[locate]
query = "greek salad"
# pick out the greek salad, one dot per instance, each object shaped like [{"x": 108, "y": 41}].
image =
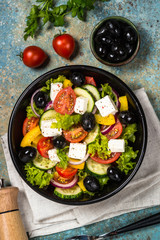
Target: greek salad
[{"x": 77, "y": 137}]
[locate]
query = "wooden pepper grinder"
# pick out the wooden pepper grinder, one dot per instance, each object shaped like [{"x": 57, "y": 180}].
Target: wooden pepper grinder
[{"x": 11, "y": 226}]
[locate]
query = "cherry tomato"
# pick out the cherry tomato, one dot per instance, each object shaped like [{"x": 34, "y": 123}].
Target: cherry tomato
[
  {"x": 33, "y": 56},
  {"x": 113, "y": 158},
  {"x": 65, "y": 101},
  {"x": 115, "y": 132},
  {"x": 66, "y": 173},
  {"x": 64, "y": 45},
  {"x": 75, "y": 135},
  {"x": 61, "y": 179},
  {"x": 45, "y": 144},
  {"x": 28, "y": 124},
  {"x": 90, "y": 80}
]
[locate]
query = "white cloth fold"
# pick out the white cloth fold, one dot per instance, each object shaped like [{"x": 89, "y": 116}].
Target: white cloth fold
[{"x": 42, "y": 216}]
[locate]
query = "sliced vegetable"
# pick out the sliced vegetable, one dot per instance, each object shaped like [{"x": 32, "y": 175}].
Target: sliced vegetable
[
  {"x": 81, "y": 185},
  {"x": 76, "y": 163},
  {"x": 93, "y": 90},
  {"x": 115, "y": 132},
  {"x": 111, "y": 159},
  {"x": 92, "y": 135},
  {"x": 90, "y": 80},
  {"x": 45, "y": 144},
  {"x": 67, "y": 172},
  {"x": 48, "y": 115},
  {"x": 67, "y": 83},
  {"x": 108, "y": 120},
  {"x": 43, "y": 163},
  {"x": 84, "y": 93},
  {"x": 75, "y": 135},
  {"x": 30, "y": 136},
  {"x": 71, "y": 193},
  {"x": 29, "y": 124},
  {"x": 124, "y": 103},
  {"x": 96, "y": 168},
  {"x": 65, "y": 185},
  {"x": 65, "y": 101},
  {"x": 49, "y": 106}
]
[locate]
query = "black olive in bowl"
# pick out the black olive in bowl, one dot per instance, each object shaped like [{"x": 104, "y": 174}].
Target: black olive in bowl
[
  {"x": 115, "y": 41},
  {"x": 19, "y": 114}
]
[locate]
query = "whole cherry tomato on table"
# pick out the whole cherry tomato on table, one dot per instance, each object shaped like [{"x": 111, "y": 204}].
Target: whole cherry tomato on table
[
  {"x": 33, "y": 56},
  {"x": 64, "y": 45}
]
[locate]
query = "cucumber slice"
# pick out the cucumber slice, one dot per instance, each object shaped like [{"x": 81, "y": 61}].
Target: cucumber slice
[
  {"x": 43, "y": 163},
  {"x": 96, "y": 169},
  {"x": 93, "y": 90},
  {"x": 49, "y": 114},
  {"x": 70, "y": 193},
  {"x": 80, "y": 92},
  {"x": 92, "y": 135}
]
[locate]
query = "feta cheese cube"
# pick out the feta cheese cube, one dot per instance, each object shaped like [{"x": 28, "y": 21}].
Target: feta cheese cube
[
  {"x": 116, "y": 145},
  {"x": 46, "y": 129},
  {"x": 106, "y": 106},
  {"x": 52, "y": 153},
  {"x": 77, "y": 150},
  {"x": 81, "y": 105},
  {"x": 55, "y": 88}
]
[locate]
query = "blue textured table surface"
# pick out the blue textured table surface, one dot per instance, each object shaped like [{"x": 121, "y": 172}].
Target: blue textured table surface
[{"x": 142, "y": 72}]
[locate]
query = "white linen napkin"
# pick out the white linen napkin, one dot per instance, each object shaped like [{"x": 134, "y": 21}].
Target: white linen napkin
[{"x": 42, "y": 216}]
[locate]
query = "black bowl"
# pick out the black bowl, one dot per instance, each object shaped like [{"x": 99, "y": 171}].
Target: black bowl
[{"x": 19, "y": 114}]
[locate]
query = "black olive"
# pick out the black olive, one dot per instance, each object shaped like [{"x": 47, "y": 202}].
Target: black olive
[
  {"x": 114, "y": 174},
  {"x": 112, "y": 57},
  {"x": 88, "y": 121},
  {"x": 78, "y": 79},
  {"x": 27, "y": 154},
  {"x": 102, "y": 31},
  {"x": 101, "y": 50},
  {"x": 107, "y": 40},
  {"x": 113, "y": 27},
  {"x": 41, "y": 99},
  {"x": 127, "y": 117},
  {"x": 130, "y": 35},
  {"x": 119, "y": 52},
  {"x": 130, "y": 48},
  {"x": 59, "y": 142},
  {"x": 91, "y": 184}
]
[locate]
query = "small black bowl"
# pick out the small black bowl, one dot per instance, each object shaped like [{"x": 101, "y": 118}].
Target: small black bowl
[
  {"x": 19, "y": 114},
  {"x": 123, "y": 24}
]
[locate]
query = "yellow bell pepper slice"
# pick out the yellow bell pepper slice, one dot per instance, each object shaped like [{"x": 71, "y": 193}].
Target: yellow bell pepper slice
[
  {"x": 67, "y": 83},
  {"x": 81, "y": 185},
  {"x": 79, "y": 166},
  {"x": 36, "y": 140},
  {"x": 30, "y": 136},
  {"x": 124, "y": 103},
  {"x": 108, "y": 120}
]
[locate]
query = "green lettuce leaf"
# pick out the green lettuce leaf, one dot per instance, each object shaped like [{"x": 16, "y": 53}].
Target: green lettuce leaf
[
  {"x": 46, "y": 88},
  {"x": 36, "y": 176},
  {"x": 99, "y": 146},
  {"x": 63, "y": 157},
  {"x": 66, "y": 121},
  {"x": 125, "y": 161},
  {"x": 129, "y": 131},
  {"x": 30, "y": 112},
  {"x": 107, "y": 90}
]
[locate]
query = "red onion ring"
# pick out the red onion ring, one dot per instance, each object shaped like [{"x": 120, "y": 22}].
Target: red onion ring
[
  {"x": 118, "y": 104},
  {"x": 94, "y": 110},
  {"x": 32, "y": 102},
  {"x": 81, "y": 161},
  {"x": 49, "y": 106},
  {"x": 67, "y": 185}
]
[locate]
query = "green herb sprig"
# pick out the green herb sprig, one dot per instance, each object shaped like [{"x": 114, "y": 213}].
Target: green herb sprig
[{"x": 46, "y": 11}]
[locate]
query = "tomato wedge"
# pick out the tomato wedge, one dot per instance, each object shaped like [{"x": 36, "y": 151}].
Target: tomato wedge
[
  {"x": 113, "y": 158},
  {"x": 29, "y": 124},
  {"x": 66, "y": 173},
  {"x": 115, "y": 132},
  {"x": 65, "y": 101},
  {"x": 90, "y": 80},
  {"x": 75, "y": 135},
  {"x": 61, "y": 179},
  {"x": 45, "y": 144}
]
